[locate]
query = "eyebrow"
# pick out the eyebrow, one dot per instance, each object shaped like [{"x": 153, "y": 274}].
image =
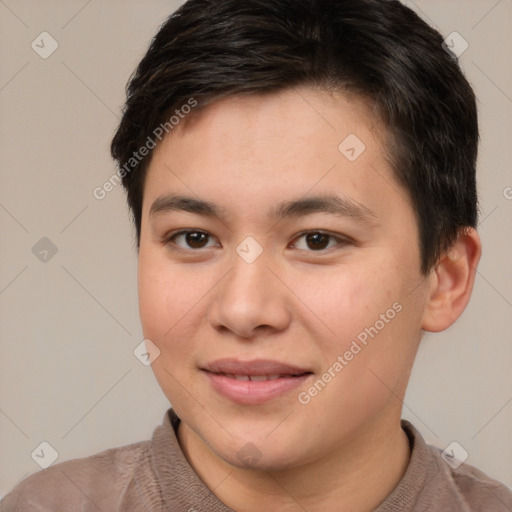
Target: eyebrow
[{"x": 329, "y": 203}]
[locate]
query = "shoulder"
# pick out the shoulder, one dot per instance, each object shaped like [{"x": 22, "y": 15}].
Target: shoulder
[
  {"x": 98, "y": 481},
  {"x": 470, "y": 485},
  {"x": 436, "y": 480}
]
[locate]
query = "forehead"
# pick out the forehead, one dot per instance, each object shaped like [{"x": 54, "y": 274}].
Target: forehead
[
  {"x": 293, "y": 114},
  {"x": 256, "y": 149}
]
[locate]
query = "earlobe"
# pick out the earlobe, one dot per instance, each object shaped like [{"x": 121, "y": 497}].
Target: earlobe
[{"x": 452, "y": 282}]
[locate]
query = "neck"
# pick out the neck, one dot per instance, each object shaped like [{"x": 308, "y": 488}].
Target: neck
[{"x": 355, "y": 477}]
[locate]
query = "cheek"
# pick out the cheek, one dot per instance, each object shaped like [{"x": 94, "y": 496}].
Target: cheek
[
  {"x": 152, "y": 291},
  {"x": 163, "y": 297},
  {"x": 171, "y": 299},
  {"x": 345, "y": 302},
  {"x": 163, "y": 305},
  {"x": 371, "y": 321}
]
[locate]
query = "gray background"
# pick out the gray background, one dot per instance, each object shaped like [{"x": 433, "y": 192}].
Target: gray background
[{"x": 69, "y": 324}]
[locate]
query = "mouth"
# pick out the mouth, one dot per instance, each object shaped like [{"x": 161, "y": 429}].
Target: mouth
[
  {"x": 258, "y": 378},
  {"x": 253, "y": 382}
]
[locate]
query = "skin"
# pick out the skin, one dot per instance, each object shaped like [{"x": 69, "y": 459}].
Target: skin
[{"x": 345, "y": 449}]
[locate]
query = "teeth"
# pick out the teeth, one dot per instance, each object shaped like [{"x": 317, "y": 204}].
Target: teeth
[
  {"x": 255, "y": 378},
  {"x": 258, "y": 377}
]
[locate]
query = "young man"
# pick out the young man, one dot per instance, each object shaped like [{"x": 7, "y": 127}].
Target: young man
[{"x": 302, "y": 179}]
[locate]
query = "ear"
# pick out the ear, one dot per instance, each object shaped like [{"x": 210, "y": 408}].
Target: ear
[{"x": 451, "y": 282}]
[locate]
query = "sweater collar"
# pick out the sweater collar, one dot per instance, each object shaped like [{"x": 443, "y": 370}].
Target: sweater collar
[
  {"x": 182, "y": 489},
  {"x": 180, "y": 485}
]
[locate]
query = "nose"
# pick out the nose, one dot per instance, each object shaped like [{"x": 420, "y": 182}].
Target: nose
[{"x": 250, "y": 299}]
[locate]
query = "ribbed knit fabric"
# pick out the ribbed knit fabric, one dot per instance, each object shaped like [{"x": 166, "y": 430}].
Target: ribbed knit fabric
[{"x": 155, "y": 476}]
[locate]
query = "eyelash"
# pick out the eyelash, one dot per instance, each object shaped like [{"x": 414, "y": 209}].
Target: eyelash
[{"x": 341, "y": 241}]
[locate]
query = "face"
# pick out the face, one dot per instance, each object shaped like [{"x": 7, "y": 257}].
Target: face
[{"x": 279, "y": 276}]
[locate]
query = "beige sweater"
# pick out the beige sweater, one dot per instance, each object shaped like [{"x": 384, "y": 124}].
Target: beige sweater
[{"x": 155, "y": 476}]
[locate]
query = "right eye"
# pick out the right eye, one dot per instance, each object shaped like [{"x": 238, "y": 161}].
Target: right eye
[{"x": 193, "y": 239}]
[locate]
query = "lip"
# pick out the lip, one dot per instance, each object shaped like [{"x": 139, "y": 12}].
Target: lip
[
  {"x": 253, "y": 367},
  {"x": 222, "y": 374}
]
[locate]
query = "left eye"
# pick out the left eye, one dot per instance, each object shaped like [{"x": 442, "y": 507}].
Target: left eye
[{"x": 318, "y": 241}]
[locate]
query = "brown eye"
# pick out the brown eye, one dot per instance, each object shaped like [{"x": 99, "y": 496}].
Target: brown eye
[
  {"x": 196, "y": 239},
  {"x": 190, "y": 239},
  {"x": 317, "y": 241}
]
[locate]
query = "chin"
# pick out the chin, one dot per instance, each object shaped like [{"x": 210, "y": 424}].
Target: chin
[
  {"x": 249, "y": 457},
  {"x": 259, "y": 453}
]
